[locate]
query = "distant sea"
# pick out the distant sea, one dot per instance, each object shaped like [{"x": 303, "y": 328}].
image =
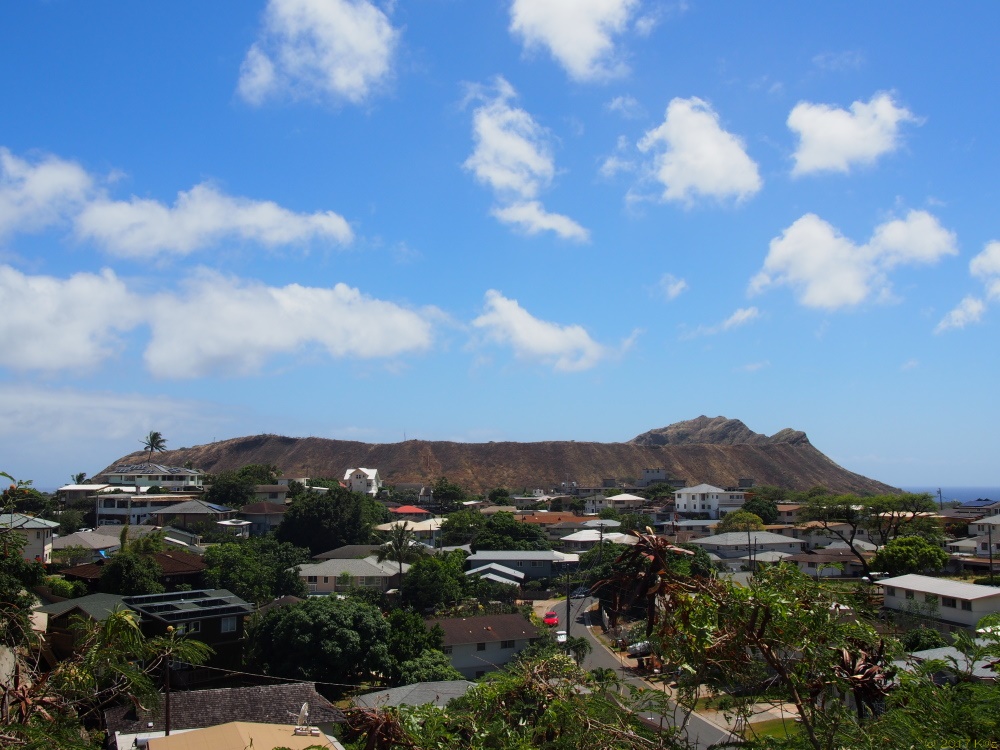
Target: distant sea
[{"x": 962, "y": 494}]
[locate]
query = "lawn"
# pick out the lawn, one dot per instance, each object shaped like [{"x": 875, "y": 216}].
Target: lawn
[{"x": 777, "y": 728}]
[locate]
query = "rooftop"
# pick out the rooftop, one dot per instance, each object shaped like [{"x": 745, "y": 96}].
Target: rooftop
[
  {"x": 485, "y": 629},
  {"x": 941, "y": 587}
]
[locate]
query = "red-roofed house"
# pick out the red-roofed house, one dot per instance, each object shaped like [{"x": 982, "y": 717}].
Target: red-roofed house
[{"x": 410, "y": 513}]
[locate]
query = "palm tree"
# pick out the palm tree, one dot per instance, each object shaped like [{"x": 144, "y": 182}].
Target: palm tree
[
  {"x": 401, "y": 546},
  {"x": 79, "y": 477},
  {"x": 153, "y": 442}
]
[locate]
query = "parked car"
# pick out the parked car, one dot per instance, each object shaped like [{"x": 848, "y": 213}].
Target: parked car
[
  {"x": 551, "y": 619},
  {"x": 560, "y": 636},
  {"x": 581, "y": 592}
]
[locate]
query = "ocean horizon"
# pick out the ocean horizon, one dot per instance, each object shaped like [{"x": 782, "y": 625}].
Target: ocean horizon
[{"x": 962, "y": 494}]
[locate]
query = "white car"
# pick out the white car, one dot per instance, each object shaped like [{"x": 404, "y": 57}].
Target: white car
[{"x": 560, "y": 636}]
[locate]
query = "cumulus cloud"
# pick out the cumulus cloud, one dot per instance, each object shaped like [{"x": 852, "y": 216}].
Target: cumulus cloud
[
  {"x": 564, "y": 348},
  {"x": 228, "y": 326},
  {"x": 694, "y": 157},
  {"x": 969, "y": 310},
  {"x": 986, "y": 268},
  {"x": 579, "y": 34},
  {"x": 37, "y": 194},
  {"x": 827, "y": 270},
  {"x": 328, "y": 50},
  {"x": 834, "y": 140},
  {"x": 626, "y": 106},
  {"x": 215, "y": 325},
  {"x": 512, "y": 156},
  {"x": 142, "y": 228},
  {"x": 52, "y": 324},
  {"x": 739, "y": 318},
  {"x": 532, "y": 218},
  {"x": 671, "y": 287}
]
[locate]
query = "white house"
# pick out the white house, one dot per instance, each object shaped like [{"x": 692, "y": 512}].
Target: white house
[
  {"x": 37, "y": 533},
  {"x": 733, "y": 545},
  {"x": 477, "y": 645},
  {"x": 365, "y": 481},
  {"x": 985, "y": 526},
  {"x": 952, "y": 603},
  {"x": 704, "y": 498},
  {"x": 173, "y": 478},
  {"x": 334, "y": 575},
  {"x": 623, "y": 503}
]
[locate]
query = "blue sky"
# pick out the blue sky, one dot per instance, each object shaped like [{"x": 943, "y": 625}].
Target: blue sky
[{"x": 499, "y": 220}]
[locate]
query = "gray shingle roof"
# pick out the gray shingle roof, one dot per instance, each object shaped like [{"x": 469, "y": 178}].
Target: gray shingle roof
[
  {"x": 438, "y": 693},
  {"x": 194, "y": 709},
  {"x": 739, "y": 539},
  {"x": 96, "y": 606}
]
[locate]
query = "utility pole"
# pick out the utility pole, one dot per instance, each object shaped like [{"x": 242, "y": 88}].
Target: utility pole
[
  {"x": 989, "y": 532},
  {"x": 569, "y": 607}
]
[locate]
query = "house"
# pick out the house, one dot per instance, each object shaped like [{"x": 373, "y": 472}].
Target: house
[
  {"x": 84, "y": 547},
  {"x": 70, "y": 492},
  {"x": 788, "y": 512},
  {"x": 271, "y": 493},
  {"x": 263, "y": 516},
  {"x": 330, "y": 576},
  {"x": 365, "y": 481},
  {"x": 733, "y": 545},
  {"x": 421, "y": 694},
  {"x": 534, "y": 564},
  {"x": 498, "y": 574},
  {"x": 172, "y": 478},
  {"x": 37, "y": 534},
  {"x": 623, "y": 503},
  {"x": 60, "y": 634},
  {"x": 715, "y": 502},
  {"x": 586, "y": 539},
  {"x": 191, "y": 513},
  {"x": 410, "y": 513},
  {"x": 830, "y": 562},
  {"x": 177, "y": 568},
  {"x": 424, "y": 532},
  {"x": 213, "y": 616},
  {"x": 240, "y": 735},
  {"x": 954, "y": 661},
  {"x": 478, "y": 645},
  {"x": 134, "y": 508},
  {"x": 196, "y": 709},
  {"x": 985, "y": 526},
  {"x": 952, "y": 604}
]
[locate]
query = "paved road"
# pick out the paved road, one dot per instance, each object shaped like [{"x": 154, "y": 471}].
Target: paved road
[{"x": 701, "y": 732}]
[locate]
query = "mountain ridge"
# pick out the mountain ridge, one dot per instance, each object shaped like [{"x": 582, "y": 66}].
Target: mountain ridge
[{"x": 716, "y": 451}]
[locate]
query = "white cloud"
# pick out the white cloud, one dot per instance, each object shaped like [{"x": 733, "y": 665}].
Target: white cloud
[
  {"x": 35, "y": 195},
  {"x": 216, "y": 325},
  {"x": 755, "y": 366},
  {"x": 52, "y": 324},
  {"x": 833, "y": 139},
  {"x": 233, "y": 327},
  {"x": 839, "y": 61},
  {"x": 565, "y": 348},
  {"x": 969, "y": 310},
  {"x": 910, "y": 364},
  {"x": 986, "y": 268},
  {"x": 511, "y": 153},
  {"x": 626, "y": 106},
  {"x": 579, "y": 34},
  {"x": 512, "y": 156},
  {"x": 699, "y": 158},
  {"x": 614, "y": 165},
  {"x": 532, "y": 218},
  {"x": 320, "y": 50},
  {"x": 201, "y": 216},
  {"x": 740, "y": 318},
  {"x": 671, "y": 287},
  {"x": 829, "y": 271}
]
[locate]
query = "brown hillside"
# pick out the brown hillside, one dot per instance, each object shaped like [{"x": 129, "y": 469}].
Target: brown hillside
[{"x": 716, "y": 451}]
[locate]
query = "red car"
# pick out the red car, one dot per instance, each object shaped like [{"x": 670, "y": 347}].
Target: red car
[{"x": 551, "y": 619}]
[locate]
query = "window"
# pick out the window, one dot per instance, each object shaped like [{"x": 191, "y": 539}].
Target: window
[
  {"x": 812, "y": 565},
  {"x": 506, "y": 644},
  {"x": 520, "y": 563},
  {"x": 188, "y": 627},
  {"x": 310, "y": 579},
  {"x": 480, "y": 647},
  {"x": 228, "y": 625},
  {"x": 890, "y": 590},
  {"x": 967, "y": 606},
  {"x": 447, "y": 649},
  {"x": 909, "y": 594},
  {"x": 947, "y": 601},
  {"x": 536, "y": 564},
  {"x": 325, "y": 579}
]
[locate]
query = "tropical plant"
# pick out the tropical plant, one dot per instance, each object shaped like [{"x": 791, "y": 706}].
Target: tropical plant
[
  {"x": 401, "y": 546},
  {"x": 154, "y": 442}
]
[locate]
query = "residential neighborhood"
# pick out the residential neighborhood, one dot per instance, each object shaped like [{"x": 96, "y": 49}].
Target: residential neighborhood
[{"x": 454, "y": 588}]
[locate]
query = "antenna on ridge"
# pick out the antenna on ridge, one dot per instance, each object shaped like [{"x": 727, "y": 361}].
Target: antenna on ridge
[{"x": 303, "y": 720}]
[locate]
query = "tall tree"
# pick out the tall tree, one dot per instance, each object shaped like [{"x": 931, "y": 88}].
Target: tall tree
[
  {"x": 401, "y": 546},
  {"x": 79, "y": 477},
  {"x": 504, "y": 532},
  {"x": 910, "y": 554},
  {"x": 154, "y": 442},
  {"x": 323, "y": 521},
  {"x": 740, "y": 520},
  {"x": 258, "y": 569}
]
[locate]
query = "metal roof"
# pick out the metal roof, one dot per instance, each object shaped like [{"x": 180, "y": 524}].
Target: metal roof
[{"x": 941, "y": 587}]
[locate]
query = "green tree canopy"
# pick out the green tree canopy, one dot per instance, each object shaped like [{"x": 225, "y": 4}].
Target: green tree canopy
[
  {"x": 231, "y": 489},
  {"x": 322, "y": 521},
  {"x": 766, "y": 510},
  {"x": 427, "y": 666},
  {"x": 739, "y": 520},
  {"x": 258, "y": 569},
  {"x": 324, "y": 639},
  {"x": 433, "y": 582},
  {"x": 502, "y": 531},
  {"x": 910, "y": 554},
  {"x": 448, "y": 495},
  {"x": 460, "y": 527},
  {"x": 154, "y": 442}
]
